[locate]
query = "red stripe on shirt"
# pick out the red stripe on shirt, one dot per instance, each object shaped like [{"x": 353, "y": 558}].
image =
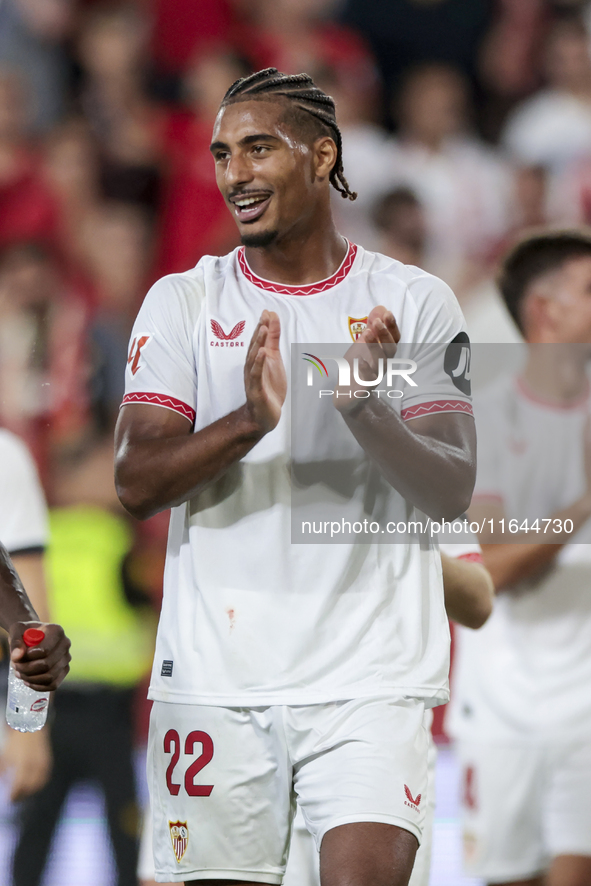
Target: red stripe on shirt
[
  {"x": 436, "y": 406},
  {"x": 161, "y": 400}
]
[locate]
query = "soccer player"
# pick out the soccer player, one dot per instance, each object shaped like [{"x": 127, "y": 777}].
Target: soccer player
[
  {"x": 469, "y": 594},
  {"x": 22, "y": 532},
  {"x": 521, "y": 699},
  {"x": 280, "y": 669}
]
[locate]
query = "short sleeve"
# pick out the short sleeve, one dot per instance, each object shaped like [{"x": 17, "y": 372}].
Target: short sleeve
[
  {"x": 23, "y": 511},
  {"x": 161, "y": 363},
  {"x": 440, "y": 350}
]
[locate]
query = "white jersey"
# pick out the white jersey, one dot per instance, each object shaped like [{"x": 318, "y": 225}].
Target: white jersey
[
  {"x": 23, "y": 512},
  {"x": 527, "y": 672},
  {"x": 247, "y": 617}
]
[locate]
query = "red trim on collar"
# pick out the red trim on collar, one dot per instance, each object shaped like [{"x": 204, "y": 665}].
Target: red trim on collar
[
  {"x": 309, "y": 289},
  {"x": 528, "y": 394}
]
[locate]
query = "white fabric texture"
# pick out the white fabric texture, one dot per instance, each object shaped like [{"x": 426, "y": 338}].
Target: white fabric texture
[
  {"x": 23, "y": 512},
  {"x": 247, "y": 617},
  {"x": 351, "y": 761},
  {"x": 526, "y": 675}
]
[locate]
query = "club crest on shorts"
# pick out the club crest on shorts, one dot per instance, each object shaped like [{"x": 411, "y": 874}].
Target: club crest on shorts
[
  {"x": 179, "y": 835},
  {"x": 356, "y": 327}
]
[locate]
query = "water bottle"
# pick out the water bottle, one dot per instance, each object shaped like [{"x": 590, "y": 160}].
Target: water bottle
[{"x": 26, "y": 709}]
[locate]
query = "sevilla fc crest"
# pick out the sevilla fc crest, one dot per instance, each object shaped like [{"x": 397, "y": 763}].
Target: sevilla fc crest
[
  {"x": 356, "y": 327},
  {"x": 179, "y": 834}
]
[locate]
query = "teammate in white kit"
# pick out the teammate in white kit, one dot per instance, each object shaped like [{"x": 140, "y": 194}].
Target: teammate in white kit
[
  {"x": 521, "y": 699},
  {"x": 469, "y": 596},
  {"x": 289, "y": 671},
  {"x": 23, "y": 531}
]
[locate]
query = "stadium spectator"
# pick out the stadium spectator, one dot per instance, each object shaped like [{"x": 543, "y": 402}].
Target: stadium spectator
[
  {"x": 71, "y": 168},
  {"x": 111, "y": 49},
  {"x": 43, "y": 354},
  {"x": 463, "y": 184},
  {"x": 193, "y": 219},
  {"x": 509, "y": 64},
  {"x": 296, "y": 37},
  {"x": 404, "y": 33},
  {"x": 180, "y": 30},
  {"x": 400, "y": 218},
  {"x": 32, "y": 33},
  {"x": 553, "y": 127},
  {"x": 28, "y": 209},
  {"x": 116, "y": 240},
  {"x": 359, "y": 104}
]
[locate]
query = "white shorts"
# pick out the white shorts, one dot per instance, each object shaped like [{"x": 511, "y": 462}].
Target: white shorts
[
  {"x": 522, "y": 806},
  {"x": 303, "y": 864},
  {"x": 223, "y": 781}
]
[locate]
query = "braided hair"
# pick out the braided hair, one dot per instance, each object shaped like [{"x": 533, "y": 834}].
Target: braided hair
[{"x": 306, "y": 97}]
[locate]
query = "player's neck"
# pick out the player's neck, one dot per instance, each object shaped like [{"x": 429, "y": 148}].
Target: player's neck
[
  {"x": 300, "y": 258},
  {"x": 557, "y": 373}
]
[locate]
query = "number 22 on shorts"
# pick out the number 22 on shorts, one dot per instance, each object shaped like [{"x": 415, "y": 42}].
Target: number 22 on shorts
[{"x": 172, "y": 740}]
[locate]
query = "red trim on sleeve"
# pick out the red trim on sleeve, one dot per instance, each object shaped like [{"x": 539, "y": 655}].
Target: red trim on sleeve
[
  {"x": 487, "y": 496},
  {"x": 436, "y": 406},
  {"x": 473, "y": 557},
  {"x": 310, "y": 289},
  {"x": 161, "y": 400}
]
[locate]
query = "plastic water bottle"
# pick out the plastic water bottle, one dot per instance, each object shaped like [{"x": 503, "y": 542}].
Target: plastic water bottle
[{"x": 26, "y": 709}]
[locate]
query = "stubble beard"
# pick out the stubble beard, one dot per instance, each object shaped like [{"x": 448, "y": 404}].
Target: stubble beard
[{"x": 262, "y": 239}]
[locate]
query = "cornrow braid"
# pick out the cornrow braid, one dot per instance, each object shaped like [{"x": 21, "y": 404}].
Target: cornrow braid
[{"x": 301, "y": 90}]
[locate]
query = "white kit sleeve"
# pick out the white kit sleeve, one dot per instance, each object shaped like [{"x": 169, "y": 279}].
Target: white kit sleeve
[
  {"x": 441, "y": 351},
  {"x": 161, "y": 365},
  {"x": 23, "y": 512}
]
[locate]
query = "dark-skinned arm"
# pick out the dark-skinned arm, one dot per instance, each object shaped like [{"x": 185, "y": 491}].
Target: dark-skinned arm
[
  {"x": 159, "y": 463},
  {"x": 430, "y": 461},
  {"x": 45, "y": 666}
]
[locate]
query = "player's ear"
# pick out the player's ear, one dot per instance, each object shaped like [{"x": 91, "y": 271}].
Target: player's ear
[{"x": 325, "y": 156}]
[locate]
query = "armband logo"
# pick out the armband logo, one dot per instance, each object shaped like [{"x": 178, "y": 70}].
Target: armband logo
[
  {"x": 457, "y": 361},
  {"x": 135, "y": 352}
]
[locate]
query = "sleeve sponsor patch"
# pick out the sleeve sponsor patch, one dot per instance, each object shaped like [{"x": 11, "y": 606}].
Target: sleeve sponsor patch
[{"x": 456, "y": 362}]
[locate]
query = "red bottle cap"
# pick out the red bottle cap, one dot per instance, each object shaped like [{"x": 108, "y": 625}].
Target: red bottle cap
[{"x": 33, "y": 636}]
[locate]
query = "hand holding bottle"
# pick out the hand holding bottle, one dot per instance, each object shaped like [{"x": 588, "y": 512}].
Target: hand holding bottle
[{"x": 44, "y": 665}]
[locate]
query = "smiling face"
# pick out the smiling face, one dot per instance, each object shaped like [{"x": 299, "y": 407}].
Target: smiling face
[{"x": 273, "y": 181}]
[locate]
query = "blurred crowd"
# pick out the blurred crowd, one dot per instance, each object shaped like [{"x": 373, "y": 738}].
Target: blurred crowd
[{"x": 465, "y": 122}]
